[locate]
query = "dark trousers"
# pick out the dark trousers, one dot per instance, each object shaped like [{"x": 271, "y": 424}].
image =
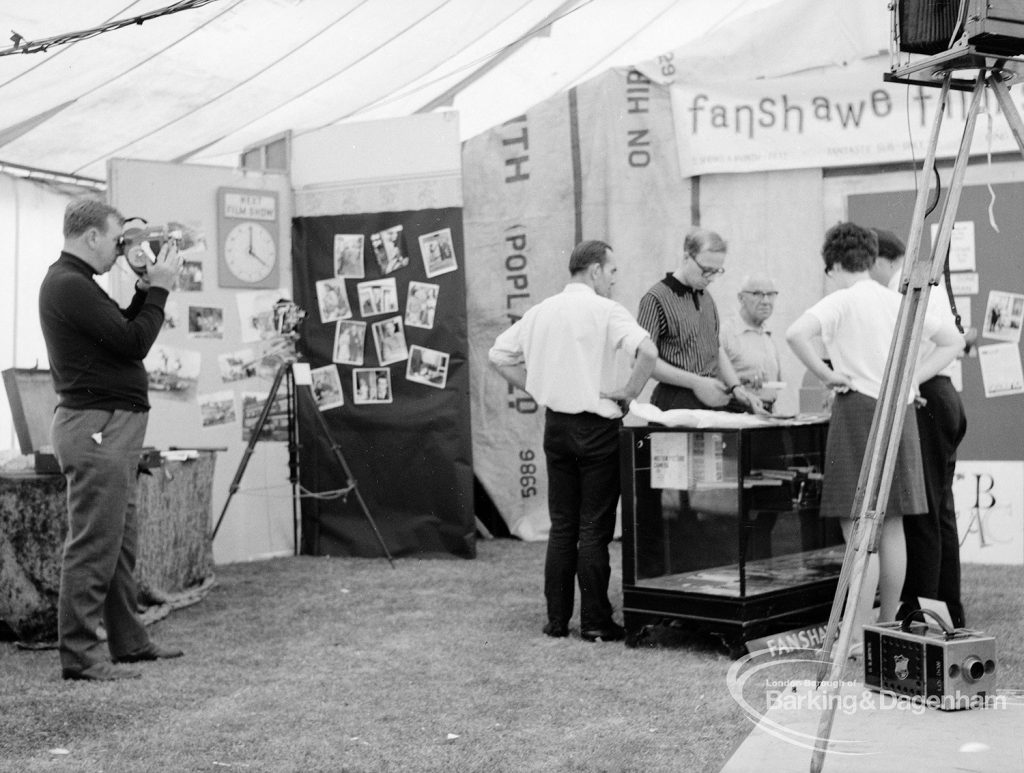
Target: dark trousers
[
  {"x": 582, "y": 452},
  {"x": 98, "y": 452},
  {"x": 933, "y": 544}
]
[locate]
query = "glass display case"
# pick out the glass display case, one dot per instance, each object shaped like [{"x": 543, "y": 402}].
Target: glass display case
[{"x": 720, "y": 530}]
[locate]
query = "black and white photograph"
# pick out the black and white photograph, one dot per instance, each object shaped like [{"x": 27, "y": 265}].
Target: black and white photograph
[
  {"x": 420, "y": 305},
  {"x": 327, "y": 387},
  {"x": 275, "y": 427},
  {"x": 349, "y": 342},
  {"x": 438, "y": 252},
  {"x": 172, "y": 371},
  {"x": 217, "y": 409},
  {"x": 1003, "y": 316},
  {"x": 237, "y": 366},
  {"x": 190, "y": 278},
  {"x": 389, "y": 249},
  {"x": 427, "y": 366},
  {"x": 256, "y": 314},
  {"x": 379, "y": 296},
  {"x": 371, "y": 385},
  {"x": 333, "y": 300},
  {"x": 389, "y": 340},
  {"x": 205, "y": 322},
  {"x": 172, "y": 315},
  {"x": 348, "y": 256}
]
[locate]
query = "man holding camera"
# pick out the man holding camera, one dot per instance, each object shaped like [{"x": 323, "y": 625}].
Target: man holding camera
[{"x": 96, "y": 350}]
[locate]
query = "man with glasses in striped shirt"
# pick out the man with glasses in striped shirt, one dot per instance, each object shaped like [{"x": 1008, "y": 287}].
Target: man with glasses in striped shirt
[{"x": 693, "y": 371}]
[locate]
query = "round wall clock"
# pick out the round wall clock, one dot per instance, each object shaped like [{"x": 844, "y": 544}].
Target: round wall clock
[
  {"x": 248, "y": 225},
  {"x": 250, "y": 252}
]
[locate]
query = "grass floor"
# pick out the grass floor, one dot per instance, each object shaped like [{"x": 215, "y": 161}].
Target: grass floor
[{"x": 329, "y": 664}]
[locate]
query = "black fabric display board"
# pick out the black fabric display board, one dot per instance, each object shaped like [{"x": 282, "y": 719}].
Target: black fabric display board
[
  {"x": 410, "y": 450},
  {"x": 992, "y": 423}
]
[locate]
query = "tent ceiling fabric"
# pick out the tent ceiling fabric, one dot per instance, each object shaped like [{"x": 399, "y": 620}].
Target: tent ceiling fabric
[{"x": 201, "y": 85}]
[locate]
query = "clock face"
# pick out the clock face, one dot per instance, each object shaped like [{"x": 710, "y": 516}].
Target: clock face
[{"x": 250, "y": 252}]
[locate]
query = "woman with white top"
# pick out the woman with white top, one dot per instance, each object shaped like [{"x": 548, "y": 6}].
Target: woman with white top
[{"x": 856, "y": 324}]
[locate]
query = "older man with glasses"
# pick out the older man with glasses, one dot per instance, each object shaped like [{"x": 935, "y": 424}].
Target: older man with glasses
[
  {"x": 693, "y": 371},
  {"x": 748, "y": 341}
]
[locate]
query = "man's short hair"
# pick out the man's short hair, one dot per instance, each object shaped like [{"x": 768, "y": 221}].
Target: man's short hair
[
  {"x": 700, "y": 240},
  {"x": 851, "y": 246},
  {"x": 84, "y": 213},
  {"x": 890, "y": 246},
  {"x": 587, "y": 253}
]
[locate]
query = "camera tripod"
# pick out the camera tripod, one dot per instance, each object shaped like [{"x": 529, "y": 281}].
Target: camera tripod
[
  {"x": 920, "y": 273},
  {"x": 285, "y": 374}
]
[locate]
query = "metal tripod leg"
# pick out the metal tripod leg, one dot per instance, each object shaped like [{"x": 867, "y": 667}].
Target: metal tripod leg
[
  {"x": 282, "y": 371},
  {"x": 883, "y": 442},
  {"x": 352, "y": 485}
]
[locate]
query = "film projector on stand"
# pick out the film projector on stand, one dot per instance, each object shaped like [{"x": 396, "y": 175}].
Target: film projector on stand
[
  {"x": 973, "y": 46},
  {"x": 295, "y": 375}
]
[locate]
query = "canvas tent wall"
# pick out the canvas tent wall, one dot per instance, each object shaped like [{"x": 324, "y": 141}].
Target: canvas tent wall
[{"x": 769, "y": 187}]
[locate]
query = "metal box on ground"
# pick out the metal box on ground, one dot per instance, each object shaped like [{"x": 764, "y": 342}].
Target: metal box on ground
[{"x": 947, "y": 669}]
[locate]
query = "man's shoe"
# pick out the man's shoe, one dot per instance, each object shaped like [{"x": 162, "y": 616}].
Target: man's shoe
[
  {"x": 556, "y": 630},
  {"x": 150, "y": 652},
  {"x": 612, "y": 631},
  {"x": 100, "y": 672}
]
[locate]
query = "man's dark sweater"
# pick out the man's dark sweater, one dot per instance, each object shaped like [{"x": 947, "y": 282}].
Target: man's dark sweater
[{"x": 96, "y": 348}]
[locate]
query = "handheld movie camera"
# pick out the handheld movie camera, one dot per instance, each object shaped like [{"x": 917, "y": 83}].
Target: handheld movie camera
[{"x": 141, "y": 244}]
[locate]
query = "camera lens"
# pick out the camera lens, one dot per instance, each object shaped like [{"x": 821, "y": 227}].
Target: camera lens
[{"x": 974, "y": 669}]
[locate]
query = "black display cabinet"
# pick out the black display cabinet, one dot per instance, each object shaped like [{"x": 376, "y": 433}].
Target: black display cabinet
[{"x": 720, "y": 530}]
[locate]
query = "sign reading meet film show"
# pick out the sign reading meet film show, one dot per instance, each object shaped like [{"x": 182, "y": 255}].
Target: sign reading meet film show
[{"x": 821, "y": 120}]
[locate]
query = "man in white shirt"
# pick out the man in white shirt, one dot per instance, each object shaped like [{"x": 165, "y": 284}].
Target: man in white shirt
[
  {"x": 562, "y": 352},
  {"x": 748, "y": 342},
  {"x": 933, "y": 554}
]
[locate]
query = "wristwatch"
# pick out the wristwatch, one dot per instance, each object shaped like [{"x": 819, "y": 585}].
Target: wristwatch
[{"x": 732, "y": 390}]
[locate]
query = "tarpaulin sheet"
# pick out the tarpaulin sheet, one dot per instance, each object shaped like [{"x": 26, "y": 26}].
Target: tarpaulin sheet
[
  {"x": 598, "y": 162},
  {"x": 411, "y": 457}
]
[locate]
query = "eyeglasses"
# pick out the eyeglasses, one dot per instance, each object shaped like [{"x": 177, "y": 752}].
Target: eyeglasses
[
  {"x": 761, "y": 294},
  {"x": 706, "y": 271}
]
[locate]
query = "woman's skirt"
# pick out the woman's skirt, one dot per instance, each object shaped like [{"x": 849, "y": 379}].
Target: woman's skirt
[{"x": 848, "y": 432}]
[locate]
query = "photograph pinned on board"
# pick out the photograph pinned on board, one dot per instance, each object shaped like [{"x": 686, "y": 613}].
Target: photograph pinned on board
[
  {"x": 389, "y": 249},
  {"x": 327, "y": 387},
  {"x": 349, "y": 342},
  {"x": 379, "y": 296},
  {"x": 276, "y": 425},
  {"x": 421, "y": 304},
  {"x": 348, "y": 256},
  {"x": 190, "y": 278},
  {"x": 256, "y": 314},
  {"x": 218, "y": 409},
  {"x": 371, "y": 385},
  {"x": 333, "y": 300},
  {"x": 389, "y": 339},
  {"x": 205, "y": 322},
  {"x": 237, "y": 366},
  {"x": 1003, "y": 316},
  {"x": 427, "y": 366},
  {"x": 172, "y": 315},
  {"x": 438, "y": 252},
  {"x": 173, "y": 371}
]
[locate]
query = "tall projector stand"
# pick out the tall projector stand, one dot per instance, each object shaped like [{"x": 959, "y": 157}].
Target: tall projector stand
[
  {"x": 285, "y": 374},
  {"x": 919, "y": 274}
]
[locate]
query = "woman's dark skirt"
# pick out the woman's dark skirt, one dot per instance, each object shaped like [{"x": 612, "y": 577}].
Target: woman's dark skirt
[{"x": 848, "y": 432}]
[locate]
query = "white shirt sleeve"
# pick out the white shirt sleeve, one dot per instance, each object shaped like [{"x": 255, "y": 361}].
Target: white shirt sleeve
[
  {"x": 624, "y": 331},
  {"x": 508, "y": 347}
]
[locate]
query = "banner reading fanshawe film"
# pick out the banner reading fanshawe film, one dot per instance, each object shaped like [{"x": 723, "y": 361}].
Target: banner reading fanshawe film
[{"x": 837, "y": 117}]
